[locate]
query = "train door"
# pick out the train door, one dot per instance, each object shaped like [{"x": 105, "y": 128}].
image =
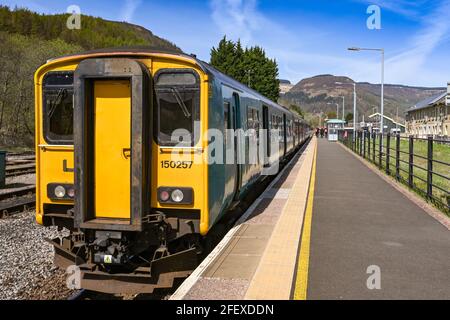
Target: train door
[
  {"x": 112, "y": 108},
  {"x": 284, "y": 134},
  {"x": 112, "y": 135},
  {"x": 266, "y": 135},
  {"x": 238, "y": 147}
]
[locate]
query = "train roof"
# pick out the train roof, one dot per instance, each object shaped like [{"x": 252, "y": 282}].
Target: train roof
[{"x": 205, "y": 66}]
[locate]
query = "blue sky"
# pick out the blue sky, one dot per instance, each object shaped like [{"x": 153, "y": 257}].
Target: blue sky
[{"x": 307, "y": 37}]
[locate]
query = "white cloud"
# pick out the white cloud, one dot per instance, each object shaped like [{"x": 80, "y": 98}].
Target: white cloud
[
  {"x": 129, "y": 9},
  {"x": 304, "y": 50},
  {"x": 435, "y": 31}
]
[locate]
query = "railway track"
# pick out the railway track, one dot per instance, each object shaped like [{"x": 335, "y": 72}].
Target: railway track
[
  {"x": 18, "y": 193},
  {"x": 21, "y": 154},
  {"x": 21, "y": 169},
  {"x": 20, "y": 163},
  {"x": 16, "y": 204}
]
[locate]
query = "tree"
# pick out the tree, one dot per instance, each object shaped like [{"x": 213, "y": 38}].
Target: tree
[
  {"x": 225, "y": 57},
  {"x": 250, "y": 66},
  {"x": 331, "y": 115},
  {"x": 297, "y": 109},
  {"x": 349, "y": 117}
]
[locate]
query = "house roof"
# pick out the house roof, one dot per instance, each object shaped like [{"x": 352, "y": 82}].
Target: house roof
[
  {"x": 386, "y": 117},
  {"x": 428, "y": 102}
]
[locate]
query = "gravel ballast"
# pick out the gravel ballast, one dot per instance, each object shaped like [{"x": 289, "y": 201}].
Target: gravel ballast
[{"x": 26, "y": 260}]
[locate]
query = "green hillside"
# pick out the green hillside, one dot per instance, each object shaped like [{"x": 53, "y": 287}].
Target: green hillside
[
  {"x": 95, "y": 33},
  {"x": 29, "y": 39}
]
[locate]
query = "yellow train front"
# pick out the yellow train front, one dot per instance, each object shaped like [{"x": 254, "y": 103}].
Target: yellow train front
[{"x": 123, "y": 156}]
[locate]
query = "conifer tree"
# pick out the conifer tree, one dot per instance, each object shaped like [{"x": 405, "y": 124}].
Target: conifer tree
[{"x": 250, "y": 66}]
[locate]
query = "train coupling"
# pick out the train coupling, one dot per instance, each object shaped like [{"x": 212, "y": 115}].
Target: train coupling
[{"x": 109, "y": 248}]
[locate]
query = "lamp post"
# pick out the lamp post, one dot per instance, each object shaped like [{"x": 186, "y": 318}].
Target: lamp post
[
  {"x": 354, "y": 104},
  {"x": 343, "y": 107},
  {"x": 381, "y": 50}
]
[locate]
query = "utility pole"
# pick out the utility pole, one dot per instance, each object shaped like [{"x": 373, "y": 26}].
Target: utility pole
[{"x": 354, "y": 106}]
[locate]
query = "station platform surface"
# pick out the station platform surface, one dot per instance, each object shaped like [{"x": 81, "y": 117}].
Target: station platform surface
[
  {"x": 328, "y": 227},
  {"x": 262, "y": 246},
  {"x": 359, "y": 221}
]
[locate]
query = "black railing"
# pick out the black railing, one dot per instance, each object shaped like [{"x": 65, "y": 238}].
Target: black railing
[{"x": 421, "y": 164}]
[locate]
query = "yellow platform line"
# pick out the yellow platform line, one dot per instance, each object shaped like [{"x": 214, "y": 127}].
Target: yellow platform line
[
  {"x": 301, "y": 283},
  {"x": 274, "y": 277}
]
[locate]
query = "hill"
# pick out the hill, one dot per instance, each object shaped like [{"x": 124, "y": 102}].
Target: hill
[
  {"x": 95, "y": 33},
  {"x": 29, "y": 39},
  {"x": 318, "y": 94}
]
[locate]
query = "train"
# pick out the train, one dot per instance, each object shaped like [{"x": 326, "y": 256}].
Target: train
[{"x": 127, "y": 148}]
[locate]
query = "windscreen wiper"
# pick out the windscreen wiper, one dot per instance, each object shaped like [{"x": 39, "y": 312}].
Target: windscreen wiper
[
  {"x": 180, "y": 101},
  {"x": 62, "y": 93}
]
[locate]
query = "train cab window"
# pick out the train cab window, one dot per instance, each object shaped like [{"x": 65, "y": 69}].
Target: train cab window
[
  {"x": 178, "y": 106},
  {"x": 58, "y": 107}
]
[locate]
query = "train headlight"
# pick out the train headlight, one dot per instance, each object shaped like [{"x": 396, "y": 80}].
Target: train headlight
[
  {"x": 177, "y": 195},
  {"x": 60, "y": 191}
]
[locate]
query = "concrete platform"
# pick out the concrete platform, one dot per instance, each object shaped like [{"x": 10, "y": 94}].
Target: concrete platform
[
  {"x": 361, "y": 222},
  {"x": 329, "y": 227},
  {"x": 257, "y": 258}
]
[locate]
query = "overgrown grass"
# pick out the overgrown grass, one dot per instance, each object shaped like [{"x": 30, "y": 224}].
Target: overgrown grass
[{"x": 441, "y": 152}]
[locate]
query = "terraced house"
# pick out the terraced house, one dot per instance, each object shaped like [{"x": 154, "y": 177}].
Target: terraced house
[{"x": 430, "y": 117}]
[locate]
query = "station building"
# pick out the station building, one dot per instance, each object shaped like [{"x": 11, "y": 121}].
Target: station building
[{"x": 430, "y": 117}]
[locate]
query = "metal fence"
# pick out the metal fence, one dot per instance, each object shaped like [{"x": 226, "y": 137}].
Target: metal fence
[{"x": 422, "y": 164}]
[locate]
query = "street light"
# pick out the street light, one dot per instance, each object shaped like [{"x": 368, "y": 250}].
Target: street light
[
  {"x": 343, "y": 107},
  {"x": 354, "y": 104},
  {"x": 382, "y": 79}
]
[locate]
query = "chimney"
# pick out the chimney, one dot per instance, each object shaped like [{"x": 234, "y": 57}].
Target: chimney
[{"x": 447, "y": 101}]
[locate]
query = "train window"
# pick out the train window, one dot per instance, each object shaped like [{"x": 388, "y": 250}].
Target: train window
[
  {"x": 255, "y": 119},
  {"x": 178, "y": 79},
  {"x": 256, "y": 122},
  {"x": 226, "y": 119},
  {"x": 249, "y": 118},
  {"x": 178, "y": 106},
  {"x": 58, "y": 107}
]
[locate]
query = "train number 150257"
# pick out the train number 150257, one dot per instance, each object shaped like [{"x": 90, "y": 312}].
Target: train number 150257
[{"x": 176, "y": 164}]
